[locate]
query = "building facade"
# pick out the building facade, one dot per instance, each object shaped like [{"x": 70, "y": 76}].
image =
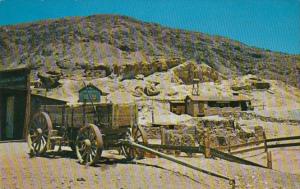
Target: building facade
[
  {"x": 90, "y": 93},
  {"x": 199, "y": 106},
  {"x": 14, "y": 103}
]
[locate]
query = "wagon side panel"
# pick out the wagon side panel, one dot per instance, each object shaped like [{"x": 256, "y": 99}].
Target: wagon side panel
[{"x": 124, "y": 115}]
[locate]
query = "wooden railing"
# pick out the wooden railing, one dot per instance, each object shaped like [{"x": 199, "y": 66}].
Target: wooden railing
[{"x": 266, "y": 144}]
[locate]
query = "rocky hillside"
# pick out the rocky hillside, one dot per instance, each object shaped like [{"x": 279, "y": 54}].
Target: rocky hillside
[{"x": 110, "y": 43}]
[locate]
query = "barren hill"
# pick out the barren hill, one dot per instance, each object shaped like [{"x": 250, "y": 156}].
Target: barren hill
[{"x": 77, "y": 44}]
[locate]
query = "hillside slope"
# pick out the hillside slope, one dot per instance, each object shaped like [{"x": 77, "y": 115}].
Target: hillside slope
[{"x": 80, "y": 43}]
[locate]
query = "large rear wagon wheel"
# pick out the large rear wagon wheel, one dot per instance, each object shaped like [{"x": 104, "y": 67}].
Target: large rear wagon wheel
[
  {"x": 89, "y": 144},
  {"x": 38, "y": 133},
  {"x": 139, "y": 136}
]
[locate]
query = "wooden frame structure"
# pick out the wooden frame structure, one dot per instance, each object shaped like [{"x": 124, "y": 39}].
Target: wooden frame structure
[{"x": 14, "y": 95}]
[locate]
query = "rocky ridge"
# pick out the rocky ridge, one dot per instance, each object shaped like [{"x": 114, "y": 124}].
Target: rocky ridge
[{"x": 126, "y": 46}]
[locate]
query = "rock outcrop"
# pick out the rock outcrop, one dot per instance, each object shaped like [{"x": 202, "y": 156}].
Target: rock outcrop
[
  {"x": 190, "y": 70},
  {"x": 50, "y": 79}
]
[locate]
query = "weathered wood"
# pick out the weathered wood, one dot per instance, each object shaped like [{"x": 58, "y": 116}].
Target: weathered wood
[
  {"x": 163, "y": 135},
  {"x": 265, "y": 141},
  {"x": 124, "y": 115},
  {"x": 207, "y": 153},
  {"x": 232, "y": 147},
  {"x": 170, "y": 158},
  {"x": 27, "y": 110},
  {"x": 284, "y": 145},
  {"x": 201, "y": 149},
  {"x": 113, "y": 116},
  {"x": 283, "y": 138},
  {"x": 247, "y": 150},
  {"x": 269, "y": 160}
]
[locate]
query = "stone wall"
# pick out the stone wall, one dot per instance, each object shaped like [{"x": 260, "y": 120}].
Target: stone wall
[{"x": 253, "y": 115}]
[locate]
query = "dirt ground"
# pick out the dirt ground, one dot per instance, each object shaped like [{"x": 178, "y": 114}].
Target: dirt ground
[{"x": 17, "y": 170}]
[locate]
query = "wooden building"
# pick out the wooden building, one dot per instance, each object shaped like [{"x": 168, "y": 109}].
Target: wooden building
[
  {"x": 38, "y": 100},
  {"x": 177, "y": 106},
  {"x": 17, "y": 104},
  {"x": 88, "y": 93},
  {"x": 14, "y": 103},
  {"x": 198, "y": 106}
]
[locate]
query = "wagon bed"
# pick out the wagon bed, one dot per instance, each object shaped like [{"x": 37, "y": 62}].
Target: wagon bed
[
  {"x": 107, "y": 115},
  {"x": 87, "y": 128}
]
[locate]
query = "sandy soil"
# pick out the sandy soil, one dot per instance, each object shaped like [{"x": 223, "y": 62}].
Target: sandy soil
[{"x": 17, "y": 170}]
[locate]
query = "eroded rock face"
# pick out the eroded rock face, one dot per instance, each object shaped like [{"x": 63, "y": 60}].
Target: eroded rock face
[
  {"x": 49, "y": 79},
  {"x": 151, "y": 90},
  {"x": 250, "y": 82},
  {"x": 97, "y": 71},
  {"x": 191, "y": 70},
  {"x": 132, "y": 70},
  {"x": 116, "y": 39}
]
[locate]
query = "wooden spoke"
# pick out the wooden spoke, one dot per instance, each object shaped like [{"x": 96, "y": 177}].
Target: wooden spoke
[
  {"x": 128, "y": 152},
  {"x": 38, "y": 132},
  {"x": 139, "y": 136},
  {"x": 89, "y": 144}
]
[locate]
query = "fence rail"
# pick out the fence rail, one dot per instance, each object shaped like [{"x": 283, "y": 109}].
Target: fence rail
[{"x": 229, "y": 148}]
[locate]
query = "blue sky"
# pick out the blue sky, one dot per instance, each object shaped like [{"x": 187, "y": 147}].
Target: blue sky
[{"x": 269, "y": 24}]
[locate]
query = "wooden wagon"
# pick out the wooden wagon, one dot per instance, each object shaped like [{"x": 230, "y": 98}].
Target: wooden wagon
[{"x": 87, "y": 128}]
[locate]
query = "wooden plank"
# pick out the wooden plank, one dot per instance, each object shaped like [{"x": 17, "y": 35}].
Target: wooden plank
[
  {"x": 11, "y": 141},
  {"x": 283, "y": 138},
  {"x": 201, "y": 149},
  {"x": 269, "y": 160},
  {"x": 171, "y": 158},
  {"x": 27, "y": 107},
  {"x": 232, "y": 147},
  {"x": 258, "y": 142},
  {"x": 247, "y": 150},
  {"x": 124, "y": 115},
  {"x": 284, "y": 145}
]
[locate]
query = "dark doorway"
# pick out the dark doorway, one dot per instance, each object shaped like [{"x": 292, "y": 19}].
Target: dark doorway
[
  {"x": 12, "y": 115},
  {"x": 244, "y": 106}
]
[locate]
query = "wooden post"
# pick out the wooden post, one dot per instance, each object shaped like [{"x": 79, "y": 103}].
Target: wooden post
[
  {"x": 163, "y": 135},
  {"x": 152, "y": 114},
  {"x": 265, "y": 141},
  {"x": 84, "y": 113},
  {"x": 27, "y": 107},
  {"x": 207, "y": 153},
  {"x": 63, "y": 116},
  {"x": 269, "y": 160},
  {"x": 229, "y": 146}
]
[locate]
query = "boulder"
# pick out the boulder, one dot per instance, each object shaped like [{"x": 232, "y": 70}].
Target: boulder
[
  {"x": 138, "y": 91},
  {"x": 190, "y": 70},
  {"x": 140, "y": 77},
  {"x": 151, "y": 90},
  {"x": 49, "y": 80},
  {"x": 258, "y": 132}
]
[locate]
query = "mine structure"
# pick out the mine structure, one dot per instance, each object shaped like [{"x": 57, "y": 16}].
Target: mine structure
[{"x": 199, "y": 106}]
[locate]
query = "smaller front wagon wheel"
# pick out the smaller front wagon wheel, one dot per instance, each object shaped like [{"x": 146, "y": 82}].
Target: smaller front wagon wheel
[{"x": 89, "y": 144}]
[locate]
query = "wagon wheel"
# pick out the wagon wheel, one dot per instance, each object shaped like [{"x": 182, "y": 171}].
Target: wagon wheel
[
  {"x": 89, "y": 144},
  {"x": 38, "y": 133},
  {"x": 139, "y": 136},
  {"x": 128, "y": 152}
]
